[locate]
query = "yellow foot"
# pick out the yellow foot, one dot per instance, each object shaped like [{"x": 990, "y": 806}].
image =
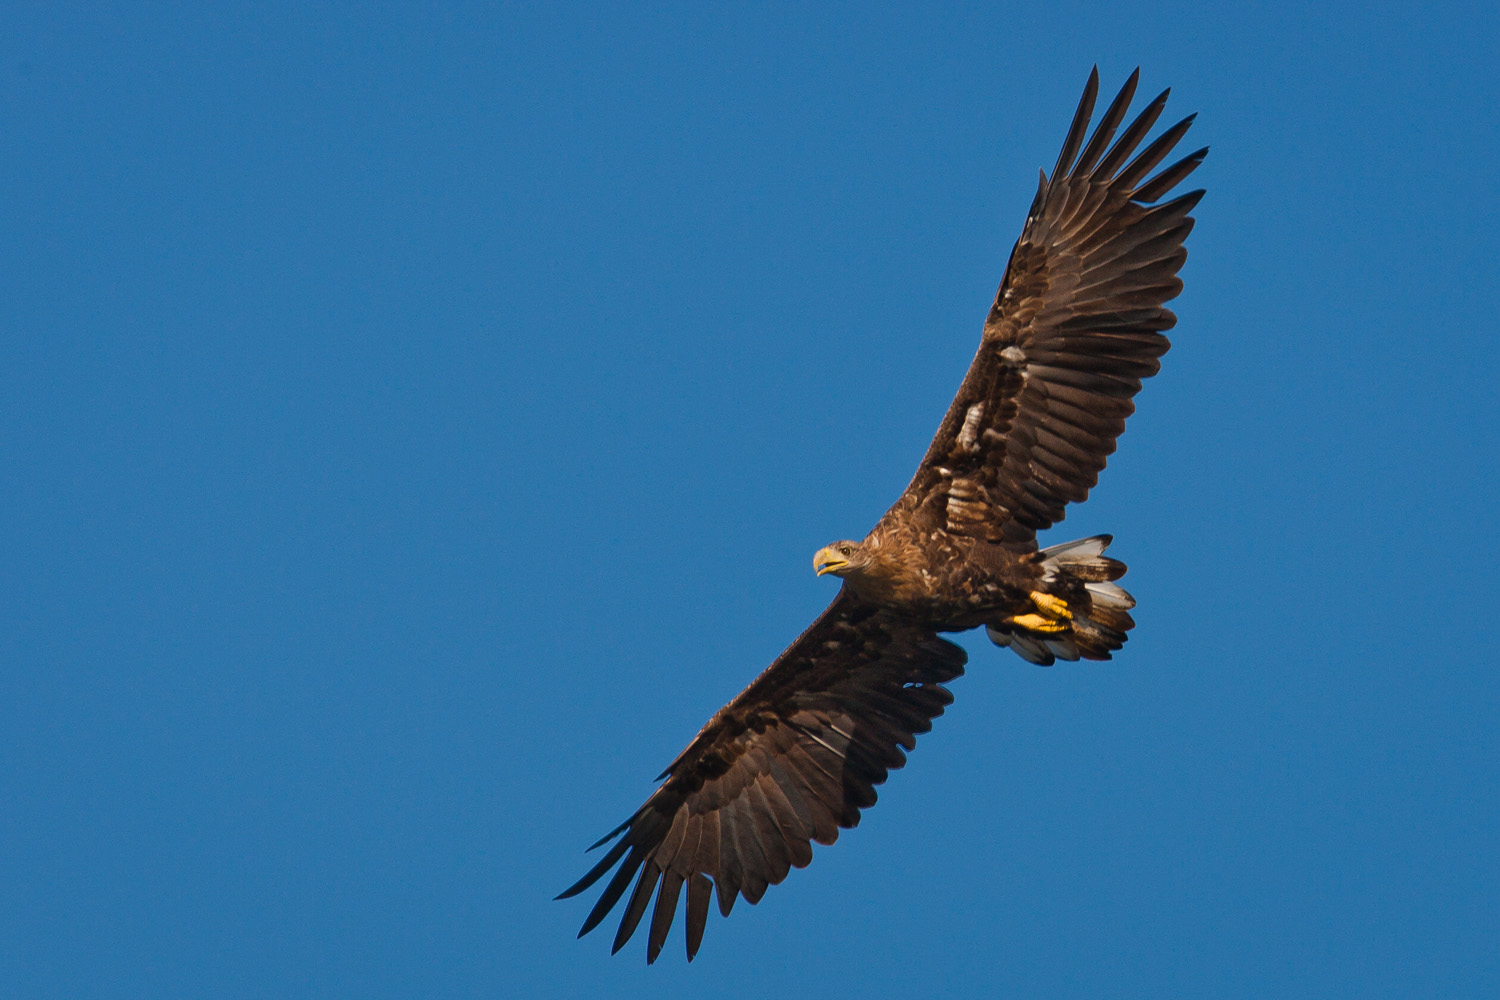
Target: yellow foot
[
  {"x": 1036, "y": 623},
  {"x": 1052, "y": 607}
]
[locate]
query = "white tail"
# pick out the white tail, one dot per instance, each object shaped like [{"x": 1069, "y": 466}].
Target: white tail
[{"x": 1087, "y": 613}]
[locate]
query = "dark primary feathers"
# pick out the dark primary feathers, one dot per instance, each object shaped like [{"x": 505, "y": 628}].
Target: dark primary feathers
[
  {"x": 789, "y": 761},
  {"x": 1076, "y": 325}
]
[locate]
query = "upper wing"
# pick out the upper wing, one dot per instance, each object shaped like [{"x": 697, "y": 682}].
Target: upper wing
[
  {"x": 791, "y": 759},
  {"x": 1075, "y": 327}
]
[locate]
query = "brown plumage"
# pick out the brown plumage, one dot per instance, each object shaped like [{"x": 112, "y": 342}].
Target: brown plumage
[{"x": 1076, "y": 325}]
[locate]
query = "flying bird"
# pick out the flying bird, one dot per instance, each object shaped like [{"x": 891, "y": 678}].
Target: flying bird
[{"x": 1075, "y": 327}]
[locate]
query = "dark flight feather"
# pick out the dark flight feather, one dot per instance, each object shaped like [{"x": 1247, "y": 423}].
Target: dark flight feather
[
  {"x": 854, "y": 662},
  {"x": 1096, "y": 260}
]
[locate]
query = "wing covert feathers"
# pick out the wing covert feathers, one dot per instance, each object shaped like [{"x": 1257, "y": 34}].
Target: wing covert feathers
[
  {"x": 791, "y": 760},
  {"x": 1075, "y": 327}
]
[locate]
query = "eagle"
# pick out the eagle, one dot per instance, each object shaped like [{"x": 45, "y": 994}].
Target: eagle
[{"x": 1075, "y": 327}]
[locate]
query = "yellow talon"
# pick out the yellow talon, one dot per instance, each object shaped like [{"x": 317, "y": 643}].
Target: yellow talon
[
  {"x": 1036, "y": 623},
  {"x": 1052, "y": 607}
]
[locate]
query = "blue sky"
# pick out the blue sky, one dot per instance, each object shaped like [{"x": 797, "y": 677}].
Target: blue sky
[{"x": 415, "y": 424}]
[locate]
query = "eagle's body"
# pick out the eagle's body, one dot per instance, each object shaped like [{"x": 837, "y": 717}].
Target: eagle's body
[
  {"x": 794, "y": 757},
  {"x": 932, "y": 575}
]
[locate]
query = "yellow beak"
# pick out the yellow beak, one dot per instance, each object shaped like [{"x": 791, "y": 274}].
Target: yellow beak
[{"x": 828, "y": 561}]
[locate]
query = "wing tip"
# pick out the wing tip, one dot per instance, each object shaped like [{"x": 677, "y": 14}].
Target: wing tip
[
  {"x": 1079, "y": 128},
  {"x": 611, "y": 835}
]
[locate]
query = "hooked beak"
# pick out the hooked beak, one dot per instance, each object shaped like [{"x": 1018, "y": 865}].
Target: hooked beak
[{"x": 828, "y": 561}]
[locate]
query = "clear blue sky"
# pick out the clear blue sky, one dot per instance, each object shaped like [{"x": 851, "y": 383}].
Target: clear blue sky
[{"x": 414, "y": 425}]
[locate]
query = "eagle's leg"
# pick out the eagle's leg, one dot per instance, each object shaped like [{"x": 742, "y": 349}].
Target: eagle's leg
[
  {"x": 1052, "y": 606},
  {"x": 1053, "y": 618}
]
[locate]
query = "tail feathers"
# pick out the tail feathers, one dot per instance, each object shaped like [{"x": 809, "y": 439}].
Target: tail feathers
[
  {"x": 1033, "y": 647},
  {"x": 1082, "y": 560},
  {"x": 1082, "y": 613}
]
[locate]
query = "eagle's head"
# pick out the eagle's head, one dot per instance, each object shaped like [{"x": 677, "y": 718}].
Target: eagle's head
[{"x": 840, "y": 558}]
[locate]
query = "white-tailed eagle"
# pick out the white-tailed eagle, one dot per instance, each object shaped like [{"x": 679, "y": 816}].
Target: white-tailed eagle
[{"x": 1076, "y": 326}]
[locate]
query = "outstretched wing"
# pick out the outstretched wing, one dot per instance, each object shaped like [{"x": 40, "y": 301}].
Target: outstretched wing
[
  {"x": 790, "y": 760},
  {"x": 1075, "y": 327}
]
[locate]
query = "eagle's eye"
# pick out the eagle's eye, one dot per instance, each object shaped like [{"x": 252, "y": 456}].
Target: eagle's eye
[{"x": 844, "y": 550}]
